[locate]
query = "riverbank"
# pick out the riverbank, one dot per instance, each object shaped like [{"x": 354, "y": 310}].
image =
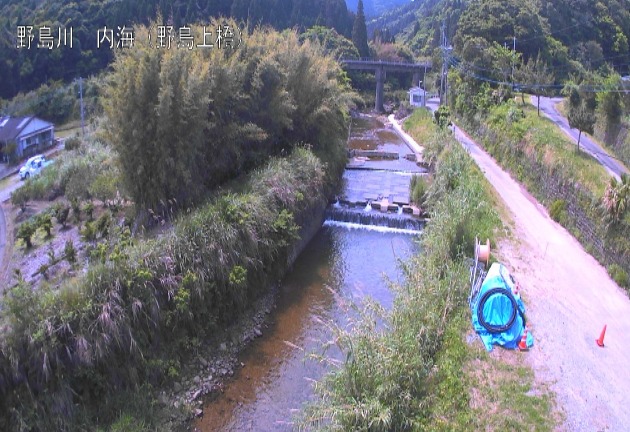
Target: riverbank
[
  {"x": 423, "y": 368},
  {"x": 143, "y": 317}
]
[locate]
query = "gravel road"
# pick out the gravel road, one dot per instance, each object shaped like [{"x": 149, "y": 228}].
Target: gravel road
[{"x": 569, "y": 297}]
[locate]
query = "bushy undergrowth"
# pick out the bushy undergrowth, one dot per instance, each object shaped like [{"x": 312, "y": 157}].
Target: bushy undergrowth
[
  {"x": 88, "y": 172},
  {"x": 418, "y": 187},
  {"x": 143, "y": 304},
  {"x": 389, "y": 378}
]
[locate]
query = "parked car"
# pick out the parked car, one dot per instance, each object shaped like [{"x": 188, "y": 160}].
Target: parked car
[{"x": 33, "y": 166}]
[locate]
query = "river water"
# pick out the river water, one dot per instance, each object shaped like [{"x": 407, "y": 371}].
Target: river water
[{"x": 354, "y": 255}]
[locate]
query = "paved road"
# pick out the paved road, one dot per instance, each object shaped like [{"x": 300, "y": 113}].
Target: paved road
[{"x": 612, "y": 165}]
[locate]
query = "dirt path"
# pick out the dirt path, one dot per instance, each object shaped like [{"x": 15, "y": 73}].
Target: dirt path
[{"x": 569, "y": 297}]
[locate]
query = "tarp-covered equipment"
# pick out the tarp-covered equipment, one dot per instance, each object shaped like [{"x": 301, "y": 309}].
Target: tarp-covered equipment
[{"x": 498, "y": 315}]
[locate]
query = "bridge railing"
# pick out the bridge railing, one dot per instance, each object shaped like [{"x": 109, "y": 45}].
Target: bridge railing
[{"x": 385, "y": 62}]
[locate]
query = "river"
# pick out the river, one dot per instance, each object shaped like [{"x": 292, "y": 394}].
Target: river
[{"x": 354, "y": 255}]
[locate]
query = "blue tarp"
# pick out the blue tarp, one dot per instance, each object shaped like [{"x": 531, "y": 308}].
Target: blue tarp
[{"x": 497, "y": 310}]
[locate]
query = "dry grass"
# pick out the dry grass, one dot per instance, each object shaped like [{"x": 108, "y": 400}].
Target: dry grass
[{"x": 504, "y": 394}]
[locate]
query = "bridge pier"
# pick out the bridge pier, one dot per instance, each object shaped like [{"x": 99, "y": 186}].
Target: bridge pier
[
  {"x": 380, "y": 81},
  {"x": 380, "y": 68}
]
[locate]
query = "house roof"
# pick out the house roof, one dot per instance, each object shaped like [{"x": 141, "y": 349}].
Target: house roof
[
  {"x": 11, "y": 127},
  {"x": 416, "y": 90}
]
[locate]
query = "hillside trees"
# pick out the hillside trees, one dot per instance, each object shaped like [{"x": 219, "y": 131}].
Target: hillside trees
[
  {"x": 499, "y": 21},
  {"x": 26, "y": 69},
  {"x": 183, "y": 122},
  {"x": 581, "y": 113},
  {"x": 359, "y": 32},
  {"x": 536, "y": 76}
]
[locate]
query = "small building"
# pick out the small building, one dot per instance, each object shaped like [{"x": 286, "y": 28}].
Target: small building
[
  {"x": 22, "y": 137},
  {"x": 417, "y": 97}
]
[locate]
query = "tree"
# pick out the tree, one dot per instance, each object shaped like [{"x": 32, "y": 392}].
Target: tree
[
  {"x": 536, "y": 76},
  {"x": 609, "y": 101},
  {"x": 581, "y": 113},
  {"x": 359, "y": 32},
  {"x": 333, "y": 43},
  {"x": 616, "y": 198}
]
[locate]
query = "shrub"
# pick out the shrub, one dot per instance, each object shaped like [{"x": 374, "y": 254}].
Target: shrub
[
  {"x": 44, "y": 221},
  {"x": 26, "y": 231},
  {"x": 105, "y": 186},
  {"x": 88, "y": 232},
  {"x": 69, "y": 252},
  {"x": 61, "y": 214},
  {"x": 88, "y": 209},
  {"x": 20, "y": 197},
  {"x": 76, "y": 209},
  {"x": 619, "y": 275},
  {"x": 103, "y": 223},
  {"x": 557, "y": 211},
  {"x": 10, "y": 150},
  {"x": 418, "y": 186},
  {"x": 72, "y": 143},
  {"x": 80, "y": 176}
]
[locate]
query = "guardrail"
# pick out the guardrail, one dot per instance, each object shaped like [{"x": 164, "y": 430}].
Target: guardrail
[{"x": 368, "y": 61}]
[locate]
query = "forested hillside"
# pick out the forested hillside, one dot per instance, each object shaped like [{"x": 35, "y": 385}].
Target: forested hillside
[
  {"x": 26, "y": 69},
  {"x": 589, "y": 32},
  {"x": 375, "y": 8}
]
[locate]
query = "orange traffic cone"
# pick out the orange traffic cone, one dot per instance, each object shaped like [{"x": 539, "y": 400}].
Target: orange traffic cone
[
  {"x": 522, "y": 345},
  {"x": 600, "y": 341}
]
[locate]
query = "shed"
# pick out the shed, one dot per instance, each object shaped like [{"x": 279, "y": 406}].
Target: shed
[{"x": 417, "y": 96}]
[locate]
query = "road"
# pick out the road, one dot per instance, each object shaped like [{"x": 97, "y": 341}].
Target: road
[
  {"x": 612, "y": 165},
  {"x": 569, "y": 297}
]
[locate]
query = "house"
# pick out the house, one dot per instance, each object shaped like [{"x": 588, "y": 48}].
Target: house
[
  {"x": 417, "y": 96},
  {"x": 22, "y": 137}
]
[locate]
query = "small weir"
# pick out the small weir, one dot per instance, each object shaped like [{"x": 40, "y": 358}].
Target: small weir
[
  {"x": 337, "y": 216},
  {"x": 354, "y": 255}
]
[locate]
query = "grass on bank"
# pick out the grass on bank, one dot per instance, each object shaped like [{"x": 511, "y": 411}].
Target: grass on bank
[
  {"x": 129, "y": 319},
  {"x": 520, "y": 128},
  {"x": 416, "y": 372}
]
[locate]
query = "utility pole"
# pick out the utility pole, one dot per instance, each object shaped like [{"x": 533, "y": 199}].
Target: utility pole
[
  {"x": 513, "y": 60},
  {"x": 443, "y": 74},
  {"x": 81, "y": 96},
  {"x": 424, "y": 81}
]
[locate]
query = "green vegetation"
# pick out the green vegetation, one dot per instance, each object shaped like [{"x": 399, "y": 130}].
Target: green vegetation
[
  {"x": 538, "y": 154},
  {"x": 557, "y": 211},
  {"x": 406, "y": 372},
  {"x": 184, "y": 122},
  {"x": 517, "y": 133},
  {"x": 103, "y": 333},
  {"x": 619, "y": 275},
  {"x": 29, "y": 69},
  {"x": 236, "y": 150},
  {"x": 581, "y": 113},
  {"x": 78, "y": 174},
  {"x": 419, "y": 186},
  {"x": 359, "y": 32}
]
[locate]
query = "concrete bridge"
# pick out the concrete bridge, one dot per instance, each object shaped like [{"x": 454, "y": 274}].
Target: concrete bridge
[{"x": 381, "y": 67}]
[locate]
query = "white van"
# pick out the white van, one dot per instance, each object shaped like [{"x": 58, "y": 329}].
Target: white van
[{"x": 33, "y": 166}]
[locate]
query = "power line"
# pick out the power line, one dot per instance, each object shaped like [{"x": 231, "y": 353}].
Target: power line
[{"x": 452, "y": 61}]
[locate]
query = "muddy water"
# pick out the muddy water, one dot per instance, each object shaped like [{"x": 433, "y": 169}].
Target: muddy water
[{"x": 343, "y": 262}]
